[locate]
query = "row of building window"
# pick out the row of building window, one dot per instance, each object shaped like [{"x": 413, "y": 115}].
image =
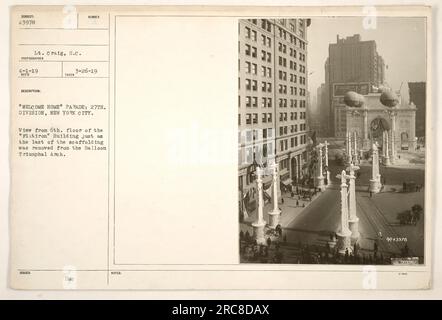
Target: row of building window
[
  {"x": 252, "y": 68},
  {"x": 282, "y": 75},
  {"x": 251, "y": 51},
  {"x": 251, "y": 34},
  {"x": 282, "y": 47},
  {"x": 252, "y": 85},
  {"x": 283, "y": 34},
  {"x": 293, "y": 129},
  {"x": 293, "y": 116},
  {"x": 302, "y": 80},
  {"x": 266, "y": 56},
  {"x": 302, "y": 68},
  {"x": 260, "y": 151},
  {"x": 266, "y": 102},
  {"x": 248, "y": 135},
  {"x": 284, "y": 144},
  {"x": 292, "y": 53},
  {"x": 282, "y": 61},
  {"x": 252, "y": 118},
  {"x": 252, "y": 102},
  {"x": 301, "y": 56},
  {"x": 254, "y": 153}
]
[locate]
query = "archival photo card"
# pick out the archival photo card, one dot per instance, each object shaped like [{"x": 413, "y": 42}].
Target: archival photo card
[{"x": 220, "y": 148}]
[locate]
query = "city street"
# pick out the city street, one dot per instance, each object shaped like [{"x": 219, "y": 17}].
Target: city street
[
  {"x": 377, "y": 214},
  {"x": 351, "y": 110},
  {"x": 314, "y": 224}
]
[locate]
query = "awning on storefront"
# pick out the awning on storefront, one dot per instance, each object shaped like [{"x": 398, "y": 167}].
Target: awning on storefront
[{"x": 287, "y": 181}]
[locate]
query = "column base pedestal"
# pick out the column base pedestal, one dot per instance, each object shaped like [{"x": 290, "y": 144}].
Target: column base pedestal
[
  {"x": 375, "y": 186},
  {"x": 258, "y": 232},
  {"x": 274, "y": 218},
  {"x": 320, "y": 183},
  {"x": 354, "y": 228},
  {"x": 387, "y": 161},
  {"x": 328, "y": 179},
  {"x": 344, "y": 242}
]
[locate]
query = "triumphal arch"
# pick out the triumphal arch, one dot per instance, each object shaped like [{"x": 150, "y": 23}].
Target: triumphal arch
[{"x": 381, "y": 117}]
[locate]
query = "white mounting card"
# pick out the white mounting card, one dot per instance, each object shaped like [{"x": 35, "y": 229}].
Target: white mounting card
[{"x": 220, "y": 147}]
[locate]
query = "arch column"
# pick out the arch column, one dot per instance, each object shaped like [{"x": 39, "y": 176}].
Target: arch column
[{"x": 366, "y": 140}]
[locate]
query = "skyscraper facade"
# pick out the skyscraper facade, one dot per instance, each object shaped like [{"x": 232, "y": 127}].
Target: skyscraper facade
[
  {"x": 417, "y": 92},
  {"x": 350, "y": 61},
  {"x": 272, "y": 97}
]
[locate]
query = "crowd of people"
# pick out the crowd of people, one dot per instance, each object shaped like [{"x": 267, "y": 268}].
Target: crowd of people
[{"x": 278, "y": 250}]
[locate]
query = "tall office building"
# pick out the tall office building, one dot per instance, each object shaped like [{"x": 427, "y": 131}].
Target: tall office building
[
  {"x": 355, "y": 62},
  {"x": 272, "y": 97},
  {"x": 323, "y": 110},
  {"x": 417, "y": 92}
]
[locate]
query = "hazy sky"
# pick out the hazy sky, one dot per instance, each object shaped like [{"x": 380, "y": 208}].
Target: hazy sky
[{"x": 400, "y": 41}]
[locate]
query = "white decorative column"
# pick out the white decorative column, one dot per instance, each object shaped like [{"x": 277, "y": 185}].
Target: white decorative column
[
  {"x": 344, "y": 233},
  {"x": 413, "y": 138},
  {"x": 347, "y": 148},
  {"x": 386, "y": 150},
  {"x": 393, "y": 136},
  {"x": 355, "y": 151},
  {"x": 350, "y": 151},
  {"x": 326, "y": 163},
  {"x": 383, "y": 143},
  {"x": 259, "y": 224},
  {"x": 393, "y": 145},
  {"x": 320, "y": 176},
  {"x": 375, "y": 186},
  {"x": 275, "y": 214},
  {"x": 353, "y": 221},
  {"x": 366, "y": 141}
]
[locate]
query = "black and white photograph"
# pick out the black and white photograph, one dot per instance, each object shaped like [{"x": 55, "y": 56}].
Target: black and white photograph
[
  {"x": 271, "y": 149},
  {"x": 331, "y": 140}
]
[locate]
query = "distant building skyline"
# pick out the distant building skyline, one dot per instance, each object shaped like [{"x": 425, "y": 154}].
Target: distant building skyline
[
  {"x": 418, "y": 97},
  {"x": 394, "y": 37},
  {"x": 351, "y": 60}
]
